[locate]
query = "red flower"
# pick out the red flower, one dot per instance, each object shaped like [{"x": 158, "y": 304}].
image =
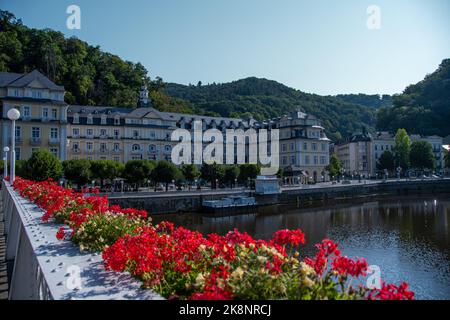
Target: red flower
[
  {"x": 291, "y": 237},
  {"x": 346, "y": 266},
  {"x": 61, "y": 233},
  {"x": 392, "y": 292}
]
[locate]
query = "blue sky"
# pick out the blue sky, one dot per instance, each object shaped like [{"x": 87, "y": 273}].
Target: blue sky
[{"x": 320, "y": 46}]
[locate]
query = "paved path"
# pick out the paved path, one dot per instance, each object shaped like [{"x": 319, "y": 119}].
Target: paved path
[{"x": 3, "y": 272}]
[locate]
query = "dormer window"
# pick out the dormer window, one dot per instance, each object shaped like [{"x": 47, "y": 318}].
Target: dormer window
[
  {"x": 103, "y": 121},
  {"x": 76, "y": 118},
  {"x": 117, "y": 121}
]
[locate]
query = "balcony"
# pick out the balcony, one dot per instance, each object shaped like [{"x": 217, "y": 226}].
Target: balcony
[
  {"x": 53, "y": 141},
  {"x": 103, "y": 151},
  {"x": 35, "y": 141}
]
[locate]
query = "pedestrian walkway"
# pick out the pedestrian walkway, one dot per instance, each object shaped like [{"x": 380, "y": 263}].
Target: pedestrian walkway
[{"x": 3, "y": 271}]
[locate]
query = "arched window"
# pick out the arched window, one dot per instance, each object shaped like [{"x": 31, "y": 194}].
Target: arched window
[
  {"x": 167, "y": 148},
  {"x": 136, "y": 147},
  {"x": 152, "y": 148}
]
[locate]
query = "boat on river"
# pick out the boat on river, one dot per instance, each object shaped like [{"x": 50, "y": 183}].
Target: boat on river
[{"x": 232, "y": 203}]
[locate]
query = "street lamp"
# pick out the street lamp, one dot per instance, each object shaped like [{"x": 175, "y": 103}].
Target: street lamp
[
  {"x": 5, "y": 161},
  {"x": 13, "y": 115}
]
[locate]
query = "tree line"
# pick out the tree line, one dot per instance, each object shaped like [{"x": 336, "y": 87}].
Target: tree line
[{"x": 43, "y": 165}]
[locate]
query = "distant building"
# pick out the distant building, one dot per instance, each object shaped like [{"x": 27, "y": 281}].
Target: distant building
[
  {"x": 355, "y": 154},
  {"x": 43, "y": 120},
  {"x": 361, "y": 152}
]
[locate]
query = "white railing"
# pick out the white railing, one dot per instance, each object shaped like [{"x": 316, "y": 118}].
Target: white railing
[{"x": 46, "y": 268}]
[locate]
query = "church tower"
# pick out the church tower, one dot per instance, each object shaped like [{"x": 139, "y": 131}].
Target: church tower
[{"x": 143, "y": 96}]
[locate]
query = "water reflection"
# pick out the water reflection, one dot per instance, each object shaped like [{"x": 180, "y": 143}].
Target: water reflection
[{"x": 407, "y": 238}]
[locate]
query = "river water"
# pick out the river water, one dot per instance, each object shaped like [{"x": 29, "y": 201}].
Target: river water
[{"x": 408, "y": 238}]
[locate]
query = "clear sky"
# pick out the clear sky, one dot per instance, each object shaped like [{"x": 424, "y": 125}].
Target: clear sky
[{"x": 319, "y": 46}]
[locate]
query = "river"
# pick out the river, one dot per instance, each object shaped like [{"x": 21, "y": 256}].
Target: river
[{"x": 408, "y": 238}]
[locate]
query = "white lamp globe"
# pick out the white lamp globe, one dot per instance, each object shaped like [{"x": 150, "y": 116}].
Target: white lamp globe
[
  {"x": 6, "y": 149},
  {"x": 13, "y": 114}
]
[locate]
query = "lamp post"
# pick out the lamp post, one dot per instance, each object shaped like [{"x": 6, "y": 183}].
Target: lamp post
[
  {"x": 13, "y": 115},
  {"x": 5, "y": 162}
]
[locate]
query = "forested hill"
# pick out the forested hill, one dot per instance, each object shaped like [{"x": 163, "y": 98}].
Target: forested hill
[
  {"x": 263, "y": 99},
  {"x": 373, "y": 100},
  {"x": 89, "y": 75},
  {"x": 423, "y": 108}
]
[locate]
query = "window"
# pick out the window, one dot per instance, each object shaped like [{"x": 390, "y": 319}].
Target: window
[
  {"x": 376, "y": 147},
  {"x": 26, "y": 112},
  {"x": 89, "y": 132},
  {"x": 283, "y": 147},
  {"x": 117, "y": 121},
  {"x": 117, "y": 159},
  {"x": 54, "y": 151},
  {"x": 135, "y": 134},
  {"x": 54, "y": 133},
  {"x": 17, "y": 153},
  {"x": 116, "y": 134},
  {"x": 54, "y": 114},
  {"x": 136, "y": 147},
  {"x": 152, "y": 148},
  {"x": 18, "y": 132},
  {"x": 89, "y": 146},
  {"x": 152, "y": 134},
  {"x": 284, "y": 161},
  {"x": 305, "y": 146},
  {"x": 322, "y": 160},
  {"x": 103, "y": 147},
  {"x": 103, "y": 121},
  {"x": 44, "y": 113},
  {"x": 324, "y": 147},
  {"x": 116, "y": 147},
  {"x": 292, "y": 147},
  {"x": 316, "y": 160},
  {"x": 168, "y": 148},
  {"x": 89, "y": 120},
  {"x": 75, "y": 132},
  {"x": 314, "y": 146},
  {"x": 103, "y": 132},
  {"x": 76, "y": 118},
  {"x": 293, "y": 159},
  {"x": 16, "y": 93},
  {"x": 306, "y": 159},
  {"x": 75, "y": 146},
  {"x": 35, "y": 132}
]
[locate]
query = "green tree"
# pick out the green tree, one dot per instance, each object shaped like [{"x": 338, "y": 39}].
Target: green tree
[
  {"x": 248, "y": 171},
  {"x": 334, "y": 168},
  {"x": 106, "y": 170},
  {"x": 231, "y": 174},
  {"x": 77, "y": 171},
  {"x": 402, "y": 149},
  {"x": 386, "y": 161},
  {"x": 213, "y": 173},
  {"x": 21, "y": 169},
  {"x": 421, "y": 156},
  {"x": 190, "y": 172},
  {"x": 137, "y": 171},
  {"x": 165, "y": 172},
  {"x": 43, "y": 165}
]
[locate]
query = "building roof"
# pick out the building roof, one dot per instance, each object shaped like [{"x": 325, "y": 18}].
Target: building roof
[{"x": 18, "y": 80}]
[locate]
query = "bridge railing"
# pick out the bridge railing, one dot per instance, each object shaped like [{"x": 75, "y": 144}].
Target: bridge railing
[{"x": 46, "y": 268}]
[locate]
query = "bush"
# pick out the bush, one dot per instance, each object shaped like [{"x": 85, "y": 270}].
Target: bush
[{"x": 77, "y": 171}]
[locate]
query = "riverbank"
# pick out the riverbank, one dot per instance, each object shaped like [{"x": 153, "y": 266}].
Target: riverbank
[{"x": 316, "y": 195}]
